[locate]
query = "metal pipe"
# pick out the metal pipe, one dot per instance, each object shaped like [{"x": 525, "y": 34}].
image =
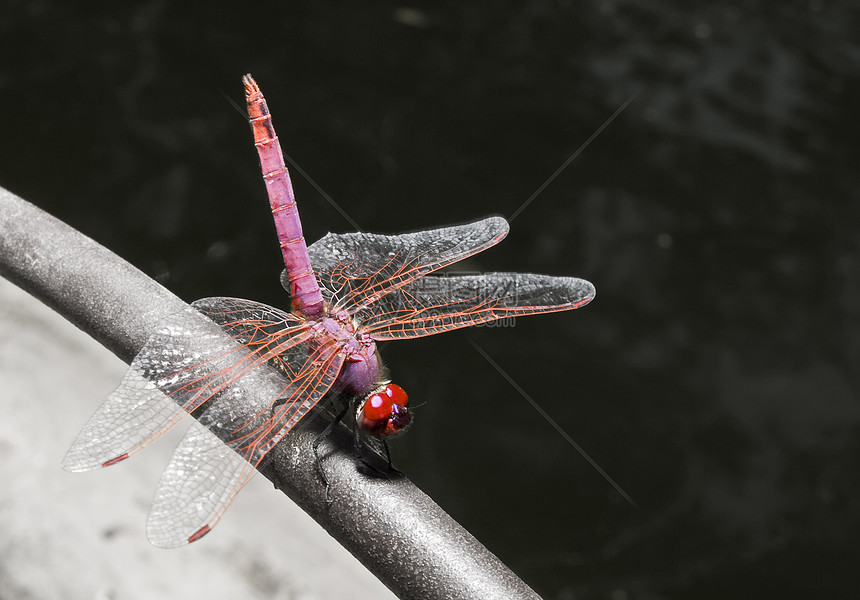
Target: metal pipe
[{"x": 394, "y": 529}]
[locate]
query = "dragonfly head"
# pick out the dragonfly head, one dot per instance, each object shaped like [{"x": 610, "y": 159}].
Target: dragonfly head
[{"x": 383, "y": 413}]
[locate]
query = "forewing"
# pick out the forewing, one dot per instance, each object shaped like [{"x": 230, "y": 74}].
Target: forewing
[
  {"x": 435, "y": 304},
  {"x": 219, "y": 454},
  {"x": 356, "y": 269},
  {"x": 184, "y": 364}
]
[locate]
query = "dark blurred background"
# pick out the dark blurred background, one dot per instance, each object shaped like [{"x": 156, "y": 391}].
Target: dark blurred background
[{"x": 715, "y": 376}]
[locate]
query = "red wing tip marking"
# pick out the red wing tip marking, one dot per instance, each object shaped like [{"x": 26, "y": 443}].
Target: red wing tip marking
[
  {"x": 199, "y": 534},
  {"x": 113, "y": 461},
  {"x": 581, "y": 303}
]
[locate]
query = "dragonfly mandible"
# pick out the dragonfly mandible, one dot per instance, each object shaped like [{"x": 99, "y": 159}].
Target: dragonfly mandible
[{"x": 347, "y": 292}]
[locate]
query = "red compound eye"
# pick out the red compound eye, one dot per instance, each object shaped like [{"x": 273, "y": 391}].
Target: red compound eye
[
  {"x": 384, "y": 414},
  {"x": 378, "y": 406},
  {"x": 396, "y": 393}
]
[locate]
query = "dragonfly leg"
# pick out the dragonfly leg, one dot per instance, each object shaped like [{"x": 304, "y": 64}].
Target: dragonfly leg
[
  {"x": 387, "y": 456},
  {"x": 360, "y": 445},
  {"x": 316, "y": 446}
]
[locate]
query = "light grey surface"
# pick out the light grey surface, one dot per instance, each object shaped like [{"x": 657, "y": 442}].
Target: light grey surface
[{"x": 399, "y": 534}]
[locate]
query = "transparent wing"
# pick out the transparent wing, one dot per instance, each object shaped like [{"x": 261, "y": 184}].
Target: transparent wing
[
  {"x": 184, "y": 364},
  {"x": 219, "y": 455},
  {"x": 435, "y": 304},
  {"x": 356, "y": 269},
  {"x": 252, "y": 324},
  {"x": 266, "y": 331},
  {"x": 200, "y": 462}
]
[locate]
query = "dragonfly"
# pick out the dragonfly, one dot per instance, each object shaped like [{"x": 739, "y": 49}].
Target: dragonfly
[{"x": 347, "y": 293}]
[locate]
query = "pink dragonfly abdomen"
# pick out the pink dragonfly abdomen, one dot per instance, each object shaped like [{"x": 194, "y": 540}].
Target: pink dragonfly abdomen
[{"x": 304, "y": 289}]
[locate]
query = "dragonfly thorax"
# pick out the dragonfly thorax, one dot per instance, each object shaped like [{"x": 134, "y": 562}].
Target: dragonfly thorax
[
  {"x": 345, "y": 321},
  {"x": 361, "y": 366}
]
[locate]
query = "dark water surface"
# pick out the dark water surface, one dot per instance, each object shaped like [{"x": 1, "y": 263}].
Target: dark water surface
[{"x": 715, "y": 377}]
